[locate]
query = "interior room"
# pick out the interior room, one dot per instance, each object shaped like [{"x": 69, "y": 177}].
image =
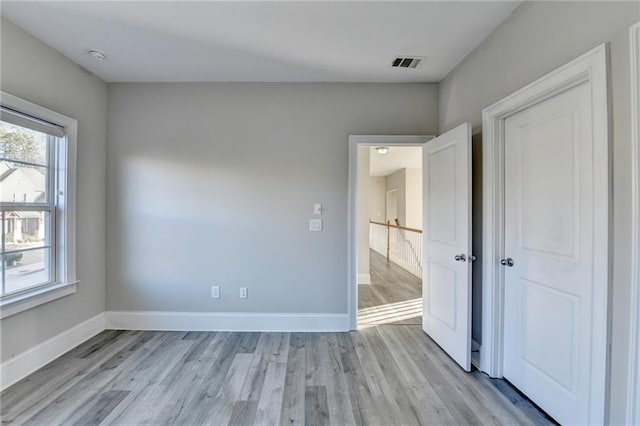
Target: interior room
[{"x": 321, "y": 213}]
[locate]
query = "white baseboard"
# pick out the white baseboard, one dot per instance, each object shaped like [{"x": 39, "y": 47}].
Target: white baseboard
[
  {"x": 364, "y": 278},
  {"x": 21, "y": 365},
  {"x": 224, "y": 321}
]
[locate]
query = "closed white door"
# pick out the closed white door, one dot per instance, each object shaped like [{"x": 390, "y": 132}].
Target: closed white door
[
  {"x": 392, "y": 206},
  {"x": 549, "y": 253},
  {"x": 446, "y": 288}
]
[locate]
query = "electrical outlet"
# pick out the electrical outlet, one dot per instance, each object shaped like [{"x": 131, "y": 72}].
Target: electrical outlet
[
  {"x": 215, "y": 292},
  {"x": 244, "y": 293}
]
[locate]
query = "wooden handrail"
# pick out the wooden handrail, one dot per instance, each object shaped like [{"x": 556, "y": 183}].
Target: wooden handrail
[{"x": 396, "y": 226}]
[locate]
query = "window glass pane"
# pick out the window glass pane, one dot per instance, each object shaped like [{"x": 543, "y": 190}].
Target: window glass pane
[
  {"x": 26, "y": 230},
  {"x": 26, "y": 269},
  {"x": 22, "y": 184},
  {"x": 22, "y": 144}
]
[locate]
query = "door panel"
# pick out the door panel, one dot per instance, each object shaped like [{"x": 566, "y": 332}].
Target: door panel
[
  {"x": 549, "y": 198},
  {"x": 442, "y": 194},
  {"x": 447, "y": 214}
]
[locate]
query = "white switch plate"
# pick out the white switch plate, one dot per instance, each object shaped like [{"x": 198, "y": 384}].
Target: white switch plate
[
  {"x": 317, "y": 208},
  {"x": 244, "y": 294},
  {"x": 215, "y": 292},
  {"x": 315, "y": 225}
]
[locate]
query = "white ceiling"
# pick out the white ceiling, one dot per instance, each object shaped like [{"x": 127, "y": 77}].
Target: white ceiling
[
  {"x": 261, "y": 41},
  {"x": 401, "y": 157}
]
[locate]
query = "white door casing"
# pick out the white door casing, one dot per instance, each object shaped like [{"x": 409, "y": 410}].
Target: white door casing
[
  {"x": 546, "y": 201},
  {"x": 446, "y": 288}
]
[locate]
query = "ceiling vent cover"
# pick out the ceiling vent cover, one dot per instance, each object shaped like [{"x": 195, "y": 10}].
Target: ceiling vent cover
[{"x": 407, "y": 61}]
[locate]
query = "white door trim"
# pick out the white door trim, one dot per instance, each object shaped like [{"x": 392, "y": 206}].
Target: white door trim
[
  {"x": 352, "y": 226},
  {"x": 590, "y": 68},
  {"x": 633, "y": 398}
]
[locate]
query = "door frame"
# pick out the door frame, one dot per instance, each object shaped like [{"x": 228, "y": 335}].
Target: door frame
[
  {"x": 590, "y": 68},
  {"x": 352, "y": 225},
  {"x": 633, "y": 391}
]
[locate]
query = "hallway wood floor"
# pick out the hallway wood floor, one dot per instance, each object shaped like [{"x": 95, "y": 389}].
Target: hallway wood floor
[
  {"x": 394, "y": 296},
  {"x": 385, "y": 375}
]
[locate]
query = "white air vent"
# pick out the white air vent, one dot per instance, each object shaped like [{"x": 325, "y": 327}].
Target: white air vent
[{"x": 407, "y": 61}]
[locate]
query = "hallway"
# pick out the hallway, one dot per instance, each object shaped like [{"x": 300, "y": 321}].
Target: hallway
[{"x": 394, "y": 296}]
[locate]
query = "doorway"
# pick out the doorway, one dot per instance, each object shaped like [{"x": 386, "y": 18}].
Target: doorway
[
  {"x": 393, "y": 239},
  {"x": 374, "y": 237},
  {"x": 443, "y": 191}
]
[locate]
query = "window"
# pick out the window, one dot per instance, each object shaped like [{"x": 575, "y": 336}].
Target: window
[{"x": 37, "y": 195}]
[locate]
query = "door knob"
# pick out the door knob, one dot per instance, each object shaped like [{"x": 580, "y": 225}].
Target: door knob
[
  {"x": 507, "y": 262},
  {"x": 460, "y": 257}
]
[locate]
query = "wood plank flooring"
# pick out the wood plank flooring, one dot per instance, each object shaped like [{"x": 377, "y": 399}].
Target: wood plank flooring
[
  {"x": 393, "y": 297},
  {"x": 385, "y": 375}
]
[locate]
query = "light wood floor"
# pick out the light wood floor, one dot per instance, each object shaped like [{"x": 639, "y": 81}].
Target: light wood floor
[
  {"x": 385, "y": 375},
  {"x": 394, "y": 296},
  {"x": 380, "y": 375}
]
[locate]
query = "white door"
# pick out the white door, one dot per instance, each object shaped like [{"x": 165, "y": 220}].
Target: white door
[
  {"x": 549, "y": 253},
  {"x": 392, "y": 206},
  {"x": 446, "y": 289}
]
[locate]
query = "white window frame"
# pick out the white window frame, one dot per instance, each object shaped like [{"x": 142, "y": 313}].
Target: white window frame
[{"x": 64, "y": 229}]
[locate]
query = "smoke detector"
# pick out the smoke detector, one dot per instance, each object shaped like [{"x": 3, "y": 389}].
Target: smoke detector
[
  {"x": 411, "y": 62},
  {"x": 97, "y": 55}
]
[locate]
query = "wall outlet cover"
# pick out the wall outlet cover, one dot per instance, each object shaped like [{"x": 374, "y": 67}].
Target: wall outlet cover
[
  {"x": 215, "y": 292},
  {"x": 315, "y": 225}
]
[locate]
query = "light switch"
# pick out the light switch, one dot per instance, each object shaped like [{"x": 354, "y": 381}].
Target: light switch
[
  {"x": 215, "y": 292},
  {"x": 317, "y": 208},
  {"x": 315, "y": 225}
]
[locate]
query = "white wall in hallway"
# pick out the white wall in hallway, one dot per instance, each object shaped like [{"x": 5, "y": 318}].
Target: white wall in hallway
[
  {"x": 413, "y": 198},
  {"x": 377, "y": 193}
]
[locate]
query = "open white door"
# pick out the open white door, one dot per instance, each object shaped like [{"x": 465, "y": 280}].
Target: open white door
[{"x": 446, "y": 289}]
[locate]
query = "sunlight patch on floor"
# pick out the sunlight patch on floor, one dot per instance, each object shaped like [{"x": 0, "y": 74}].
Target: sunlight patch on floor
[{"x": 389, "y": 313}]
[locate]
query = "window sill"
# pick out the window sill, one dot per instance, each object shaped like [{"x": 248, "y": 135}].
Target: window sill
[{"x": 36, "y": 297}]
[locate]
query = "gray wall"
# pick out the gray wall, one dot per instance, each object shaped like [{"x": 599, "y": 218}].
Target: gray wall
[
  {"x": 214, "y": 183},
  {"x": 35, "y": 72},
  {"x": 536, "y": 39}
]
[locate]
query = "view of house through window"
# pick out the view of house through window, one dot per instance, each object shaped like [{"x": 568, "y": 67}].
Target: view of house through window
[{"x": 27, "y": 206}]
